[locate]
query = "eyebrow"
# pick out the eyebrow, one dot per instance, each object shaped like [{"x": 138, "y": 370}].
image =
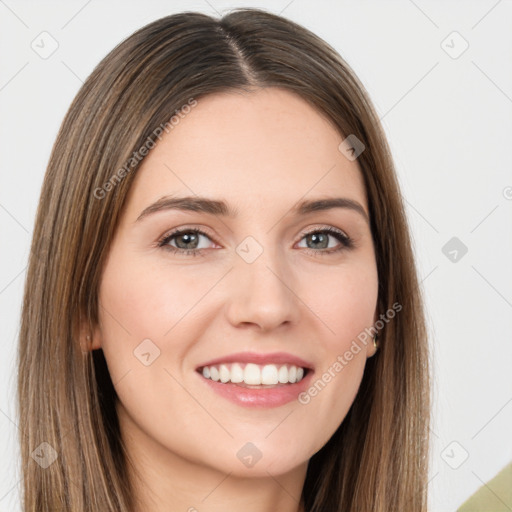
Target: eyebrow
[{"x": 222, "y": 209}]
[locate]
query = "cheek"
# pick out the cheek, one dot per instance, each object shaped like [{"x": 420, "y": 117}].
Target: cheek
[
  {"x": 345, "y": 299},
  {"x": 141, "y": 302},
  {"x": 141, "y": 308},
  {"x": 146, "y": 301}
]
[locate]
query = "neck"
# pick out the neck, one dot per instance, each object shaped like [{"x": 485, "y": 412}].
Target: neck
[{"x": 175, "y": 485}]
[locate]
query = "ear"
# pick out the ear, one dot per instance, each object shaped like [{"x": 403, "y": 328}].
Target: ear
[
  {"x": 370, "y": 347},
  {"x": 90, "y": 339}
]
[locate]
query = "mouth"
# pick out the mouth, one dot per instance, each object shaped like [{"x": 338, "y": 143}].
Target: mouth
[
  {"x": 251, "y": 375},
  {"x": 257, "y": 380}
]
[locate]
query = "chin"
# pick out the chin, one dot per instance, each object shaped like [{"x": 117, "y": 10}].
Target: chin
[
  {"x": 257, "y": 460},
  {"x": 262, "y": 468}
]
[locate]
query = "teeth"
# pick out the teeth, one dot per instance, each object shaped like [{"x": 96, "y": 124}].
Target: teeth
[
  {"x": 269, "y": 374},
  {"x": 254, "y": 374},
  {"x": 282, "y": 375},
  {"x": 214, "y": 373},
  {"x": 224, "y": 373},
  {"x": 237, "y": 374}
]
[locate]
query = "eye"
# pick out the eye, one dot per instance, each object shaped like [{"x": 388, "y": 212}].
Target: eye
[
  {"x": 187, "y": 241},
  {"x": 319, "y": 239}
]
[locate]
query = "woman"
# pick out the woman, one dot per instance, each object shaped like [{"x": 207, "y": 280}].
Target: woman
[{"x": 286, "y": 367}]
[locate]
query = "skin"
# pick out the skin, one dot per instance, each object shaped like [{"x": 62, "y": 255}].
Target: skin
[{"x": 261, "y": 152}]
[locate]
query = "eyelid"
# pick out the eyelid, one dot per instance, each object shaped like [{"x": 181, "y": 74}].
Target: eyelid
[
  {"x": 345, "y": 241},
  {"x": 322, "y": 227},
  {"x": 186, "y": 228},
  {"x": 208, "y": 232}
]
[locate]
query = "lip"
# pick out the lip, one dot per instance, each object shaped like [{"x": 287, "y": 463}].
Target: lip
[
  {"x": 262, "y": 397},
  {"x": 259, "y": 396},
  {"x": 262, "y": 359}
]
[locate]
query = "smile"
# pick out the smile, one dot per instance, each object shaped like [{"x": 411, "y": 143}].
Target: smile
[{"x": 254, "y": 374}]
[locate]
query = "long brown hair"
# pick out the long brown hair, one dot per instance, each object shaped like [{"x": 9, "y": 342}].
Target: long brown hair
[{"x": 377, "y": 460}]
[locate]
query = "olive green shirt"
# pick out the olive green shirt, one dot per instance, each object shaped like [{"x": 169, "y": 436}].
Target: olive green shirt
[{"x": 494, "y": 496}]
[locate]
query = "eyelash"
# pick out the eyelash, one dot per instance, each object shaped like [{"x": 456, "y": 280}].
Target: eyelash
[{"x": 346, "y": 241}]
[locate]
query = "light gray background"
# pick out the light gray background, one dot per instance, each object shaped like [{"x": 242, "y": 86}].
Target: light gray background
[{"x": 450, "y": 128}]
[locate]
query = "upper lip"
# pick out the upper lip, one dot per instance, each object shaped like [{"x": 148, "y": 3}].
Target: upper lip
[{"x": 262, "y": 359}]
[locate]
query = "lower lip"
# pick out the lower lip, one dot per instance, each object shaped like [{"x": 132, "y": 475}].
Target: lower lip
[{"x": 265, "y": 397}]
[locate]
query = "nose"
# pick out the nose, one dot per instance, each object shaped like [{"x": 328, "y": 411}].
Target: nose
[{"x": 261, "y": 293}]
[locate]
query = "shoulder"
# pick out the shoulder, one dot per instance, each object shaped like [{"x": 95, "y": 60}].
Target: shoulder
[{"x": 494, "y": 496}]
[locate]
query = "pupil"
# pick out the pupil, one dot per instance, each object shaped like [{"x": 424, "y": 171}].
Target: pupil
[
  {"x": 317, "y": 239},
  {"x": 316, "y": 236},
  {"x": 188, "y": 236}
]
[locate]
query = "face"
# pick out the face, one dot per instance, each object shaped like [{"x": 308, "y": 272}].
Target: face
[{"x": 256, "y": 288}]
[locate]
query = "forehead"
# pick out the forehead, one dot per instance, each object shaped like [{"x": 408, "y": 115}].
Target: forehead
[{"x": 268, "y": 147}]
